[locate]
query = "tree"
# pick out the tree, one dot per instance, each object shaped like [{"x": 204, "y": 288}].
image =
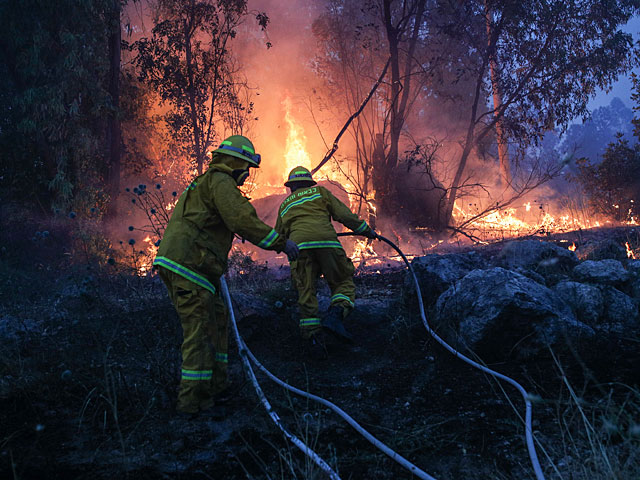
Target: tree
[
  {"x": 189, "y": 63},
  {"x": 53, "y": 99},
  {"x": 613, "y": 185},
  {"x": 550, "y": 58}
]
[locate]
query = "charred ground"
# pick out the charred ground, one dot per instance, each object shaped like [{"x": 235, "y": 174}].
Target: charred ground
[{"x": 90, "y": 361}]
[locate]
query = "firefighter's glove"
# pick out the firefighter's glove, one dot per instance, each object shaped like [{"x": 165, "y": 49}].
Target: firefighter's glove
[
  {"x": 371, "y": 233},
  {"x": 291, "y": 249}
]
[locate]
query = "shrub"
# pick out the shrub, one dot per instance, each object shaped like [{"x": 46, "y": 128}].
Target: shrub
[{"x": 613, "y": 185}]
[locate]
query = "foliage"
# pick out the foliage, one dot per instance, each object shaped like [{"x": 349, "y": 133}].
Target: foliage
[
  {"x": 188, "y": 62},
  {"x": 545, "y": 59},
  {"x": 54, "y": 64},
  {"x": 613, "y": 185}
]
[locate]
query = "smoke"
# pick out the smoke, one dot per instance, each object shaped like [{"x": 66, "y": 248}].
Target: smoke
[{"x": 281, "y": 74}]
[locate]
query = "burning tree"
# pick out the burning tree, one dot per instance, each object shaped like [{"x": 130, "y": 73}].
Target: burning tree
[{"x": 539, "y": 61}]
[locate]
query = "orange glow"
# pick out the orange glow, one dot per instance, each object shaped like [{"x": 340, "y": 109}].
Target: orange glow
[
  {"x": 149, "y": 255},
  {"x": 572, "y": 247},
  {"x": 295, "y": 152},
  {"x": 630, "y": 253}
]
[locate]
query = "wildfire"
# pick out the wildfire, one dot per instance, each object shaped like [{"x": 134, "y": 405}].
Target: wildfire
[
  {"x": 630, "y": 253},
  {"x": 149, "y": 255},
  {"x": 506, "y": 222},
  {"x": 572, "y": 247},
  {"x": 295, "y": 153}
]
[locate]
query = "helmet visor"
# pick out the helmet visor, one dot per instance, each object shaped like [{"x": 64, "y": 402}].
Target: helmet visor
[{"x": 250, "y": 156}]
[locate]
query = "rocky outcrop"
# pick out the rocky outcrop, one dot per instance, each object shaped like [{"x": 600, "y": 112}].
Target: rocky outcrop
[
  {"x": 542, "y": 257},
  {"x": 436, "y": 273},
  {"x": 530, "y": 295},
  {"x": 605, "y": 249},
  {"x": 586, "y": 301},
  {"x": 496, "y": 310},
  {"x": 605, "y": 272}
]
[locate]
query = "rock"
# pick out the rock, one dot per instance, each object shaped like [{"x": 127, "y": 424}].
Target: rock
[
  {"x": 620, "y": 314},
  {"x": 436, "y": 273},
  {"x": 606, "y": 249},
  {"x": 585, "y": 300},
  {"x": 605, "y": 272},
  {"x": 498, "y": 312},
  {"x": 543, "y": 257},
  {"x": 633, "y": 267},
  {"x": 634, "y": 289}
]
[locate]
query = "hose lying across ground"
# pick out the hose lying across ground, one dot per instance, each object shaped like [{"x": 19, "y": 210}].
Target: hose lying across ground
[{"x": 247, "y": 356}]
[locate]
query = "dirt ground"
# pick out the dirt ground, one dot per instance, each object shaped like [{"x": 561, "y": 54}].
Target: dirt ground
[{"x": 89, "y": 362}]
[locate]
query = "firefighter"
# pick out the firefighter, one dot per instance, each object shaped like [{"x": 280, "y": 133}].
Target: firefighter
[
  {"x": 191, "y": 258},
  {"x": 305, "y": 217}
]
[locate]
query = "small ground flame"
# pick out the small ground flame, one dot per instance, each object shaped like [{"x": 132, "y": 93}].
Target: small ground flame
[
  {"x": 630, "y": 253},
  {"x": 572, "y": 247}
]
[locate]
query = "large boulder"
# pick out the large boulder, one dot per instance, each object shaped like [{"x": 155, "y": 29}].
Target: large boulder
[
  {"x": 602, "y": 307},
  {"x": 601, "y": 250},
  {"x": 498, "y": 312},
  {"x": 620, "y": 314},
  {"x": 604, "y": 272},
  {"x": 542, "y": 257},
  {"x": 436, "y": 273},
  {"x": 586, "y": 301},
  {"x": 633, "y": 267}
]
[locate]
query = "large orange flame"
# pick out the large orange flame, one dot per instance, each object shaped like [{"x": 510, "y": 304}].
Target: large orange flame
[{"x": 295, "y": 152}]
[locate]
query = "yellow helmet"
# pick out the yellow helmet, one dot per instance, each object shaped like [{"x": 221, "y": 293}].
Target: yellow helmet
[
  {"x": 299, "y": 175},
  {"x": 240, "y": 147}
]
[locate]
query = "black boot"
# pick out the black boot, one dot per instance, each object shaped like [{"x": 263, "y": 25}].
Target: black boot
[
  {"x": 332, "y": 324},
  {"x": 315, "y": 349}
]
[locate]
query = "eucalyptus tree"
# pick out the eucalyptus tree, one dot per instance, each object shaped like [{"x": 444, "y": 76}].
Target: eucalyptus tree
[
  {"x": 548, "y": 58},
  {"x": 188, "y": 61},
  {"x": 54, "y": 98}
]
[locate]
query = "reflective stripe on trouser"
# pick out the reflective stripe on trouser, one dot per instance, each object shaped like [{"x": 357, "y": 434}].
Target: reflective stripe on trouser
[
  {"x": 337, "y": 269},
  {"x": 205, "y": 341}
]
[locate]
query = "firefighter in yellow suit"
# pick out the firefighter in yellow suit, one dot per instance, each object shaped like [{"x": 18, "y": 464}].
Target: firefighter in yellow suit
[
  {"x": 305, "y": 217},
  {"x": 193, "y": 255}
]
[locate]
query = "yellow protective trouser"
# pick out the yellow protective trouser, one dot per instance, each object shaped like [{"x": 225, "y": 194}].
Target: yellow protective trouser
[
  {"x": 205, "y": 341},
  {"x": 337, "y": 269}
]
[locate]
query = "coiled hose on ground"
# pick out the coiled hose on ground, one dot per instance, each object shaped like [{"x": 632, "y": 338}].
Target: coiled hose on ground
[{"x": 248, "y": 356}]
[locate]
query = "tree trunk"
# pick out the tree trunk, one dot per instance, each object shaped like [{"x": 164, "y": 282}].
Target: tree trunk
[
  {"x": 468, "y": 146},
  {"x": 114, "y": 134},
  {"x": 399, "y": 100},
  {"x": 191, "y": 91},
  {"x": 503, "y": 148}
]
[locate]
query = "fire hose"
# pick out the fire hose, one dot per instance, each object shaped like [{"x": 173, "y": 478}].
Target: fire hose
[{"x": 247, "y": 356}]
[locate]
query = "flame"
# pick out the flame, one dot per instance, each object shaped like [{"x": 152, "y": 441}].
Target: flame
[
  {"x": 295, "y": 152},
  {"x": 149, "y": 255},
  {"x": 573, "y": 247},
  {"x": 630, "y": 253},
  {"x": 506, "y": 223}
]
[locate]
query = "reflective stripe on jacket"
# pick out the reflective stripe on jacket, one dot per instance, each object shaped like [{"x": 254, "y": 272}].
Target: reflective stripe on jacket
[
  {"x": 305, "y": 217},
  {"x": 199, "y": 234}
]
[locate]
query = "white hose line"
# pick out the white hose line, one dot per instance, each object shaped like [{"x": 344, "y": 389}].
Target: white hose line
[
  {"x": 373, "y": 440},
  {"x": 528, "y": 430},
  {"x": 243, "y": 350}
]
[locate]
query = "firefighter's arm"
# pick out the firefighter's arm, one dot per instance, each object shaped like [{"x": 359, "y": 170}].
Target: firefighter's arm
[
  {"x": 279, "y": 227},
  {"x": 341, "y": 213},
  {"x": 240, "y": 217}
]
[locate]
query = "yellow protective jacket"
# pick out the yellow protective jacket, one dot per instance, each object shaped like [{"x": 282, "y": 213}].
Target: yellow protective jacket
[
  {"x": 199, "y": 234},
  {"x": 305, "y": 217}
]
